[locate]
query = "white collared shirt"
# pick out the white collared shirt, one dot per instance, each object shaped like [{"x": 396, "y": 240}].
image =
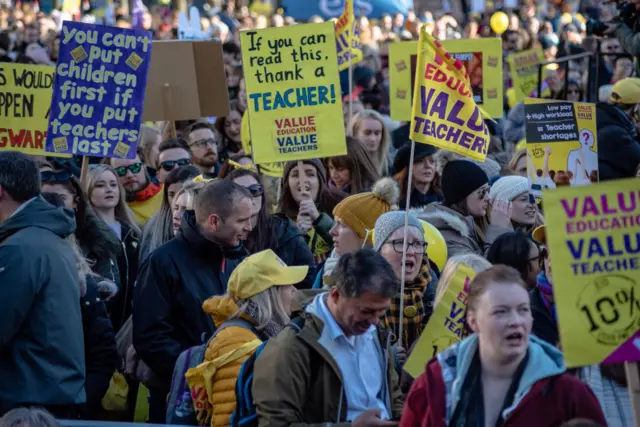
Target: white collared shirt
[{"x": 360, "y": 360}]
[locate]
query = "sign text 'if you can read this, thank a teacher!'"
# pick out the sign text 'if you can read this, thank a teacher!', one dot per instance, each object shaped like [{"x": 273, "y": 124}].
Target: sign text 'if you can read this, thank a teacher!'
[{"x": 98, "y": 94}]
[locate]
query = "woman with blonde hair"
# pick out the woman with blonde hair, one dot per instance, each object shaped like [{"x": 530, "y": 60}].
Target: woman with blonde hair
[
  {"x": 183, "y": 201},
  {"x": 256, "y": 307},
  {"x": 518, "y": 163},
  {"x": 475, "y": 262},
  {"x": 369, "y": 128},
  {"x": 148, "y": 142},
  {"x": 107, "y": 197}
]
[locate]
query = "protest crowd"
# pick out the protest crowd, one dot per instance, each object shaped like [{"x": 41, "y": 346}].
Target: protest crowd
[{"x": 326, "y": 252}]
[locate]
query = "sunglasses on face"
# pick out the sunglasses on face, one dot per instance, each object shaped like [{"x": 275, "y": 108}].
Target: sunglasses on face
[
  {"x": 256, "y": 190},
  {"x": 134, "y": 168},
  {"x": 169, "y": 165},
  {"x": 50, "y": 176}
]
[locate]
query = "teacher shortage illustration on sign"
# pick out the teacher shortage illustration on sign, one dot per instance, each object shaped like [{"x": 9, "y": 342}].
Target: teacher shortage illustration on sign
[
  {"x": 562, "y": 146},
  {"x": 594, "y": 242},
  {"x": 294, "y": 105}
]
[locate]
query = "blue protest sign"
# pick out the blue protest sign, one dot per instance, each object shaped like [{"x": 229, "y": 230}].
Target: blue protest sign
[
  {"x": 98, "y": 91},
  {"x": 303, "y": 10}
]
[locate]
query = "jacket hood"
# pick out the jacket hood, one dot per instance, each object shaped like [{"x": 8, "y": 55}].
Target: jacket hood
[
  {"x": 442, "y": 217},
  {"x": 544, "y": 361},
  {"x": 190, "y": 232},
  {"x": 610, "y": 115},
  {"x": 220, "y": 308},
  {"x": 38, "y": 213}
]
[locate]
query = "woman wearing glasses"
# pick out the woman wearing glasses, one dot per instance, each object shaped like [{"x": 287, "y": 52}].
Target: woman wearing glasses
[
  {"x": 462, "y": 216},
  {"x": 420, "y": 281},
  {"x": 276, "y": 232}
]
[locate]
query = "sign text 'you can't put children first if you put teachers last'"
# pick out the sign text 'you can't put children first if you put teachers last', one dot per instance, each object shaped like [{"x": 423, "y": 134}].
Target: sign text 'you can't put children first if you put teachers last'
[
  {"x": 291, "y": 76},
  {"x": 98, "y": 94}
]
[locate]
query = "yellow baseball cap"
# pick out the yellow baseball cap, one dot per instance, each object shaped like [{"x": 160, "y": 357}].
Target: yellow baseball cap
[
  {"x": 260, "y": 272},
  {"x": 540, "y": 235},
  {"x": 626, "y": 91}
]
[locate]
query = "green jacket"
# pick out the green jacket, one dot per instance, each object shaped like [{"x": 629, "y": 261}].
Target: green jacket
[{"x": 298, "y": 383}]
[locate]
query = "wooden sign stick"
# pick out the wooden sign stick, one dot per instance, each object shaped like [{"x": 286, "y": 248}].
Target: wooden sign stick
[{"x": 166, "y": 98}]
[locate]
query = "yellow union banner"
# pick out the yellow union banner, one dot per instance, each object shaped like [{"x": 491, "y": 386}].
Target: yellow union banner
[
  {"x": 481, "y": 58},
  {"x": 347, "y": 38},
  {"x": 446, "y": 325},
  {"x": 593, "y": 235},
  {"x": 293, "y": 89},
  {"x": 444, "y": 112},
  {"x": 524, "y": 73},
  {"x": 25, "y": 98}
]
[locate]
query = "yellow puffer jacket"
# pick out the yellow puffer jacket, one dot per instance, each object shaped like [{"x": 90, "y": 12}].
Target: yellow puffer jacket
[{"x": 222, "y": 396}]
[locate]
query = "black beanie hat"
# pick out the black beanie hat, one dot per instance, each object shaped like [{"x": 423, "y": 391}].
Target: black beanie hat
[
  {"x": 403, "y": 155},
  {"x": 461, "y": 178}
]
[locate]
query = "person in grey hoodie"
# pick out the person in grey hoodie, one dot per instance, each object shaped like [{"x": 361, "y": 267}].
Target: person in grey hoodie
[{"x": 41, "y": 341}]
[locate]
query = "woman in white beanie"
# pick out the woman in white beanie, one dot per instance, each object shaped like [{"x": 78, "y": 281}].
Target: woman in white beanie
[{"x": 514, "y": 189}]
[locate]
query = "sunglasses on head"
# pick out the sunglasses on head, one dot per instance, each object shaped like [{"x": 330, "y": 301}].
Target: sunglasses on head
[
  {"x": 256, "y": 190},
  {"x": 134, "y": 168},
  {"x": 170, "y": 164},
  {"x": 50, "y": 176}
]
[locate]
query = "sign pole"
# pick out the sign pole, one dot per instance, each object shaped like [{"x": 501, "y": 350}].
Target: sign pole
[
  {"x": 84, "y": 170},
  {"x": 404, "y": 242},
  {"x": 166, "y": 98}
]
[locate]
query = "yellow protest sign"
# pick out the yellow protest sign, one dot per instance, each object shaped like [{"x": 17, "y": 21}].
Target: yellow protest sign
[
  {"x": 447, "y": 323},
  {"x": 444, "y": 112},
  {"x": 562, "y": 146},
  {"x": 274, "y": 170},
  {"x": 482, "y": 59},
  {"x": 347, "y": 38},
  {"x": 25, "y": 98},
  {"x": 594, "y": 242},
  {"x": 293, "y": 89},
  {"x": 524, "y": 73}
]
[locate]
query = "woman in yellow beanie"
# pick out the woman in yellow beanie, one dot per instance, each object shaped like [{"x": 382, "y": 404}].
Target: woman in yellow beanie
[{"x": 355, "y": 217}]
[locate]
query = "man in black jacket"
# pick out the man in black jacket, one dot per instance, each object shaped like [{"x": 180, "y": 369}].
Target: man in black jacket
[
  {"x": 618, "y": 144},
  {"x": 179, "y": 276},
  {"x": 41, "y": 343}
]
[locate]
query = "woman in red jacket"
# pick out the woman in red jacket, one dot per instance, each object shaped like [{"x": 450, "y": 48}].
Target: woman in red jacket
[{"x": 501, "y": 375}]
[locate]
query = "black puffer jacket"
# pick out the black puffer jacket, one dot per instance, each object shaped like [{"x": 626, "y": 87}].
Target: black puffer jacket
[
  {"x": 119, "y": 307},
  {"x": 292, "y": 248},
  {"x": 99, "y": 348},
  {"x": 618, "y": 145},
  {"x": 173, "y": 282}
]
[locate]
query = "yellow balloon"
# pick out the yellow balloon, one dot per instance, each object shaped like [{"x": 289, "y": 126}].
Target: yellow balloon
[
  {"x": 436, "y": 245},
  {"x": 499, "y": 22}
]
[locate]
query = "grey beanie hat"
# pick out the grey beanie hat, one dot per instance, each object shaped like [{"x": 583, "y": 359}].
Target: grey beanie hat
[{"x": 390, "y": 222}]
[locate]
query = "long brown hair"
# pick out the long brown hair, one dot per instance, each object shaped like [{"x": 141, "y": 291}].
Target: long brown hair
[
  {"x": 363, "y": 172},
  {"x": 382, "y": 155},
  {"x": 327, "y": 198},
  {"x": 262, "y": 236},
  {"x": 402, "y": 179}
]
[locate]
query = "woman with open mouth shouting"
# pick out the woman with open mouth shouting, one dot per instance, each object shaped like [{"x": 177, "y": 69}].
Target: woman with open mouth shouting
[{"x": 501, "y": 375}]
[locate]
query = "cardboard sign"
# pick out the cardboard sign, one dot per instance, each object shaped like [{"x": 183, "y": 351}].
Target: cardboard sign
[
  {"x": 25, "y": 98},
  {"x": 444, "y": 112},
  {"x": 482, "y": 59},
  {"x": 593, "y": 235},
  {"x": 562, "y": 147},
  {"x": 347, "y": 38},
  {"x": 524, "y": 73},
  {"x": 190, "y": 28},
  {"x": 98, "y": 90},
  {"x": 291, "y": 76},
  {"x": 194, "y": 73},
  {"x": 446, "y": 325}
]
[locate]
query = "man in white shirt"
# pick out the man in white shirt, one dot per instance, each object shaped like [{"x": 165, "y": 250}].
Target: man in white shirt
[{"x": 338, "y": 367}]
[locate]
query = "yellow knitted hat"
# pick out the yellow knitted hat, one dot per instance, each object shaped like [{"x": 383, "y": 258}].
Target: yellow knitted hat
[{"x": 360, "y": 211}]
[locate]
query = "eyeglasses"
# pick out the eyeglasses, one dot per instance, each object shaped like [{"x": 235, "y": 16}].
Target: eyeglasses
[
  {"x": 170, "y": 164},
  {"x": 256, "y": 190},
  {"x": 204, "y": 142},
  {"x": 134, "y": 168},
  {"x": 418, "y": 246},
  {"x": 50, "y": 176}
]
